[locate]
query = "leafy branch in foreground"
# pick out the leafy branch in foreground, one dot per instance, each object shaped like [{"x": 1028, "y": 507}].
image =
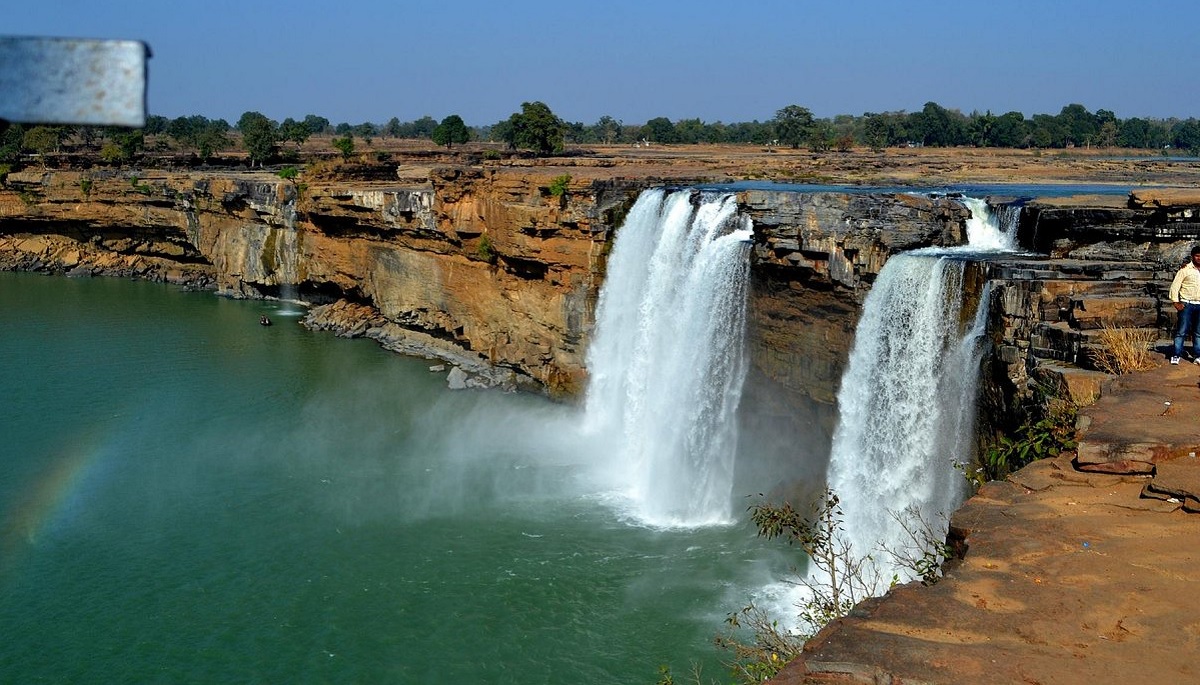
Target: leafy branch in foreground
[{"x": 837, "y": 579}]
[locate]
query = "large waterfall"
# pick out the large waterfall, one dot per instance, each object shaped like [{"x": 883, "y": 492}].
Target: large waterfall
[
  {"x": 667, "y": 362},
  {"x": 907, "y": 398}
]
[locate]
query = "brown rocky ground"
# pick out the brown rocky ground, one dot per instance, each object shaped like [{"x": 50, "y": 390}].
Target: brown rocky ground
[
  {"x": 894, "y": 166},
  {"x": 1068, "y": 577}
]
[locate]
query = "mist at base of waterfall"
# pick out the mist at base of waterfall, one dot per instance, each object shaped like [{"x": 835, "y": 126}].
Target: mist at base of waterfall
[{"x": 190, "y": 496}]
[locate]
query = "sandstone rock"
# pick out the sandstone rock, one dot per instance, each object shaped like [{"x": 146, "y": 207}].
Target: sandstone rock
[
  {"x": 1080, "y": 386},
  {"x": 1165, "y": 197},
  {"x": 1180, "y": 479},
  {"x": 1125, "y": 467}
]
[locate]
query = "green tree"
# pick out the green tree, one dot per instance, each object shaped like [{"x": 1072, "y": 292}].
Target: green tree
[
  {"x": 659, "y": 130},
  {"x": 130, "y": 141},
  {"x": 979, "y": 128},
  {"x": 822, "y": 137},
  {"x": 937, "y": 126},
  {"x": 392, "y": 129},
  {"x": 10, "y": 141},
  {"x": 316, "y": 125},
  {"x": 423, "y": 127},
  {"x": 155, "y": 124},
  {"x": 259, "y": 136},
  {"x": 344, "y": 145},
  {"x": 875, "y": 132},
  {"x": 1009, "y": 130},
  {"x": 1078, "y": 125},
  {"x": 1185, "y": 135},
  {"x": 535, "y": 128},
  {"x": 793, "y": 125},
  {"x": 41, "y": 140},
  {"x": 294, "y": 131},
  {"x": 366, "y": 131},
  {"x": 689, "y": 131},
  {"x": 211, "y": 139},
  {"x": 1046, "y": 130},
  {"x": 452, "y": 130},
  {"x": 1141, "y": 133},
  {"x": 607, "y": 129}
]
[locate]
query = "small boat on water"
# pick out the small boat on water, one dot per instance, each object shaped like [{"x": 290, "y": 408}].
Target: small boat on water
[{"x": 264, "y": 320}]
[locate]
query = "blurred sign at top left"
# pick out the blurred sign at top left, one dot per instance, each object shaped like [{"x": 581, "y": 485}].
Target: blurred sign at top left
[{"x": 73, "y": 81}]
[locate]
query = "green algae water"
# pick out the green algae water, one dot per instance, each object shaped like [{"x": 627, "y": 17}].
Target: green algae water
[{"x": 188, "y": 496}]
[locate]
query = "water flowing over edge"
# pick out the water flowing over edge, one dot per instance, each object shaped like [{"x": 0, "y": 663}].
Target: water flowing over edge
[
  {"x": 668, "y": 360},
  {"x": 907, "y": 398}
]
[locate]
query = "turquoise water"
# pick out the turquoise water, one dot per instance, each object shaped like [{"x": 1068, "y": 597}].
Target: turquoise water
[{"x": 187, "y": 496}]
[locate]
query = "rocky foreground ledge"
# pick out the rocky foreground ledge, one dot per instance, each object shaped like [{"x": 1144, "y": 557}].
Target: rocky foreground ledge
[{"x": 1066, "y": 577}]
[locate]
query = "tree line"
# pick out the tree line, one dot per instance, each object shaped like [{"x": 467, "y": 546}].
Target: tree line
[{"x": 536, "y": 128}]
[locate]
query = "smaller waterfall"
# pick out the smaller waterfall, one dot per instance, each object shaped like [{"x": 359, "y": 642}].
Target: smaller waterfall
[
  {"x": 907, "y": 399},
  {"x": 667, "y": 361},
  {"x": 287, "y": 262},
  {"x": 991, "y": 231},
  {"x": 907, "y": 402}
]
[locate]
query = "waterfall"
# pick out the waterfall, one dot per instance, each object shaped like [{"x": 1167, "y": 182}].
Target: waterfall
[
  {"x": 907, "y": 398},
  {"x": 667, "y": 360},
  {"x": 287, "y": 262},
  {"x": 988, "y": 230}
]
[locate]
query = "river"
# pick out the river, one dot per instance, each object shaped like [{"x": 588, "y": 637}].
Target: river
[{"x": 188, "y": 496}]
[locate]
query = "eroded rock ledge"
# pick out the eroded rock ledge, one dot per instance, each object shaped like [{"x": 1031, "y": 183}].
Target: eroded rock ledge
[{"x": 490, "y": 269}]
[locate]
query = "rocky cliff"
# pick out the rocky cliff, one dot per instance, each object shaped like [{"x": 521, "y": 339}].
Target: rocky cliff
[
  {"x": 494, "y": 270},
  {"x": 497, "y": 269}
]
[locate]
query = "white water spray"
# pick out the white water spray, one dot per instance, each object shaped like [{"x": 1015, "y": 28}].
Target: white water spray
[
  {"x": 667, "y": 362},
  {"x": 287, "y": 262},
  {"x": 990, "y": 231},
  {"x": 907, "y": 400}
]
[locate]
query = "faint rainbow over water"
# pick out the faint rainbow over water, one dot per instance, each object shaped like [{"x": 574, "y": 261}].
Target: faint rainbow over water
[{"x": 32, "y": 512}]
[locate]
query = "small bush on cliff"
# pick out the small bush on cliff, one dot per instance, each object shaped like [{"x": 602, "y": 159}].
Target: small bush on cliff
[
  {"x": 1048, "y": 436},
  {"x": 558, "y": 186},
  {"x": 485, "y": 250},
  {"x": 85, "y": 187},
  {"x": 344, "y": 145}
]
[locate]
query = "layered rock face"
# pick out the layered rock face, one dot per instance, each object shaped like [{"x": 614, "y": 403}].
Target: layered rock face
[
  {"x": 494, "y": 271},
  {"x": 1107, "y": 264},
  {"x": 497, "y": 270}
]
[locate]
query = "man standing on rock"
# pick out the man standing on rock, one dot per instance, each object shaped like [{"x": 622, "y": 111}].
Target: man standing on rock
[{"x": 1185, "y": 294}]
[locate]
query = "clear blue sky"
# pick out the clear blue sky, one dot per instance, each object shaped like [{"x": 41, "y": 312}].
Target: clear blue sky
[{"x": 738, "y": 60}]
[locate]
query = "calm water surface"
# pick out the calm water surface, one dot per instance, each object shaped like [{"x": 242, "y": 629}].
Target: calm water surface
[{"x": 187, "y": 496}]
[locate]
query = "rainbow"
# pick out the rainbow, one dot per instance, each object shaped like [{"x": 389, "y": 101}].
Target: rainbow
[{"x": 46, "y": 502}]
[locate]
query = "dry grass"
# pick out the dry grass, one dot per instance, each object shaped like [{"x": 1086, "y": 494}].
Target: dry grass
[{"x": 1125, "y": 349}]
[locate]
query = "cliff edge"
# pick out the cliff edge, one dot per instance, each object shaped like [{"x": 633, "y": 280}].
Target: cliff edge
[{"x": 1067, "y": 577}]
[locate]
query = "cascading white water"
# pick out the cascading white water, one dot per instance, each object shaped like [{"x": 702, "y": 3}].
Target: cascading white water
[
  {"x": 287, "y": 262},
  {"x": 667, "y": 362},
  {"x": 908, "y": 395},
  {"x": 988, "y": 230}
]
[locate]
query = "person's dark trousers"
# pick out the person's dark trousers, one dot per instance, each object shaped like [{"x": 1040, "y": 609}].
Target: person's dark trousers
[{"x": 1189, "y": 321}]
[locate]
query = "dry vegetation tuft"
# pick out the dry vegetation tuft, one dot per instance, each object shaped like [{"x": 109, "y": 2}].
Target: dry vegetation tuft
[{"x": 1125, "y": 349}]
